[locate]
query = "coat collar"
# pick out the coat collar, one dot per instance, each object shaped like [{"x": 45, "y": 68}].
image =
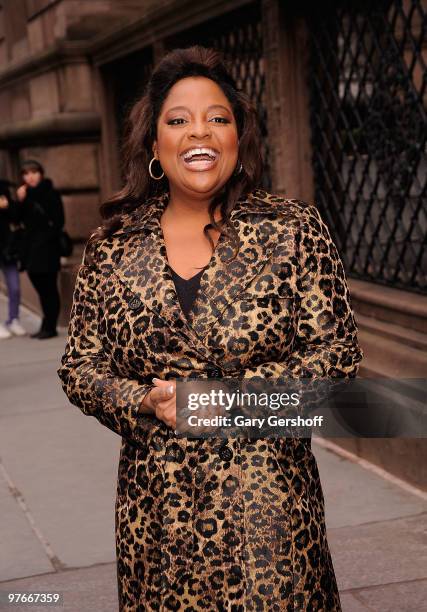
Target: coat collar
[
  {"x": 147, "y": 216},
  {"x": 144, "y": 268}
]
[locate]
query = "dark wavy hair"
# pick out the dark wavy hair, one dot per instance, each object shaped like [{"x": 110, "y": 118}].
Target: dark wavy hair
[{"x": 140, "y": 133}]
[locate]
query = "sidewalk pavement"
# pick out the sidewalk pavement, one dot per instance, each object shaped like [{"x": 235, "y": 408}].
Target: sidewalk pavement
[{"x": 57, "y": 485}]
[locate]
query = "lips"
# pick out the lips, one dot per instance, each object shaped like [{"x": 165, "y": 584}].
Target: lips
[{"x": 200, "y": 158}]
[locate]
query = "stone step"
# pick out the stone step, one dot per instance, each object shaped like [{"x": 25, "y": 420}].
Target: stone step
[
  {"x": 403, "y": 308},
  {"x": 409, "y": 337},
  {"x": 390, "y": 358},
  {"x": 393, "y": 351}
]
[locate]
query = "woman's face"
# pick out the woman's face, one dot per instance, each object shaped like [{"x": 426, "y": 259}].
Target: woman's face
[
  {"x": 197, "y": 139},
  {"x": 32, "y": 178}
]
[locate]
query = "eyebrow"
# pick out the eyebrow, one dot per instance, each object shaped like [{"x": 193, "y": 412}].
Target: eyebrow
[{"x": 185, "y": 108}]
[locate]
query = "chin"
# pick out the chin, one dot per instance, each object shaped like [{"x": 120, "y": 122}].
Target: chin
[{"x": 205, "y": 185}]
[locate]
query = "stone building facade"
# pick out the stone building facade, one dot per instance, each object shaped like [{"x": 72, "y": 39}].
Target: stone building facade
[{"x": 341, "y": 97}]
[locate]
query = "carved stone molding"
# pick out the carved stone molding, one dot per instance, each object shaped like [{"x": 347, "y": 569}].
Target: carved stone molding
[{"x": 82, "y": 126}]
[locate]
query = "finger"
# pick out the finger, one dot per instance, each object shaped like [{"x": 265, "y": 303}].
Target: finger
[
  {"x": 168, "y": 413},
  {"x": 167, "y": 408},
  {"x": 167, "y": 418},
  {"x": 162, "y": 393},
  {"x": 161, "y": 383},
  {"x": 171, "y": 423}
]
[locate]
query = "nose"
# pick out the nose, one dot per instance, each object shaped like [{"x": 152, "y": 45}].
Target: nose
[{"x": 199, "y": 128}]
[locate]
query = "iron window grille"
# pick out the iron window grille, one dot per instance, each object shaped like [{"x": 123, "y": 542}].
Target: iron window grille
[{"x": 368, "y": 120}]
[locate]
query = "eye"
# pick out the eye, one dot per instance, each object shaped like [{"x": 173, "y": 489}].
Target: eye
[
  {"x": 177, "y": 121},
  {"x": 219, "y": 120}
]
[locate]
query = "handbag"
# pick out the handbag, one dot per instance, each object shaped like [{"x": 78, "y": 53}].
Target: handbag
[{"x": 65, "y": 244}]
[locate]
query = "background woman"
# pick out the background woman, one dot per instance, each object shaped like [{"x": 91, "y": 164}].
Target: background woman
[
  {"x": 196, "y": 272},
  {"x": 9, "y": 258},
  {"x": 43, "y": 217}
]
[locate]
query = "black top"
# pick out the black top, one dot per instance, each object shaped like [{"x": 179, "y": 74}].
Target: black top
[
  {"x": 186, "y": 289},
  {"x": 9, "y": 247}
]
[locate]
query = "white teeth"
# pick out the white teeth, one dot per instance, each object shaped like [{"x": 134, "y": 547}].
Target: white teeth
[{"x": 200, "y": 151}]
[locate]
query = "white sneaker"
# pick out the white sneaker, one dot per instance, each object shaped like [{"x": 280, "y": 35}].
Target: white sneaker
[
  {"x": 4, "y": 332},
  {"x": 16, "y": 328}
]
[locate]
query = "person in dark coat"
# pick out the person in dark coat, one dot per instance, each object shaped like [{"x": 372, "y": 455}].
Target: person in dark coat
[
  {"x": 9, "y": 260},
  {"x": 43, "y": 217}
]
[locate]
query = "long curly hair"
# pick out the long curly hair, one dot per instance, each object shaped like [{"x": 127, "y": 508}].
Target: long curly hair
[{"x": 140, "y": 133}]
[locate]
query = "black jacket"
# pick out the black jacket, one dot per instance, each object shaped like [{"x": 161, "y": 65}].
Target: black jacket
[
  {"x": 43, "y": 217},
  {"x": 8, "y": 216}
]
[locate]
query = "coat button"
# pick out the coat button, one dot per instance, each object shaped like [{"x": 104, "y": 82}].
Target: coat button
[
  {"x": 213, "y": 372},
  {"x": 135, "y": 303},
  {"x": 225, "y": 453}
]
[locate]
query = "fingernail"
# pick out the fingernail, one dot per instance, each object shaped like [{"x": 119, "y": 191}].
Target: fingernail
[{"x": 170, "y": 389}]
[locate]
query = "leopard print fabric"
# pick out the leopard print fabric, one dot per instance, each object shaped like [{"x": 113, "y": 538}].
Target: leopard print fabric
[{"x": 200, "y": 525}]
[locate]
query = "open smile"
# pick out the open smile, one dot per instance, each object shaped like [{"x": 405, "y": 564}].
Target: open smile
[{"x": 200, "y": 159}]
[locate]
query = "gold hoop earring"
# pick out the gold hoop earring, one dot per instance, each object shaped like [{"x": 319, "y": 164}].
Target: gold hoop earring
[{"x": 150, "y": 172}]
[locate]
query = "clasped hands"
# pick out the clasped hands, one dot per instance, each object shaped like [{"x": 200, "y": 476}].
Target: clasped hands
[{"x": 161, "y": 401}]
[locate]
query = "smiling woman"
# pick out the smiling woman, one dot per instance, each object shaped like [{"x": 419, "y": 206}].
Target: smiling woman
[
  {"x": 197, "y": 147},
  {"x": 207, "y": 524},
  {"x": 197, "y": 134}
]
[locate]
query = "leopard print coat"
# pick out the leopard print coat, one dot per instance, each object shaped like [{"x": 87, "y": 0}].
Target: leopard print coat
[{"x": 203, "y": 525}]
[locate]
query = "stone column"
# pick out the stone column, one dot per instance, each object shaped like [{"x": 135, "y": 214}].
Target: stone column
[{"x": 286, "y": 52}]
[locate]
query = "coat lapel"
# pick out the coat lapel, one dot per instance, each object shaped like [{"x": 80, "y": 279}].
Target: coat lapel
[
  {"x": 144, "y": 268},
  {"x": 225, "y": 277}
]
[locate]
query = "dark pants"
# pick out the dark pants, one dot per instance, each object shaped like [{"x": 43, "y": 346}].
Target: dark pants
[{"x": 46, "y": 287}]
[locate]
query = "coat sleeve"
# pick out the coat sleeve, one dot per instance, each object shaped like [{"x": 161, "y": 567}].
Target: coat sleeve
[
  {"x": 14, "y": 211},
  {"x": 56, "y": 211},
  {"x": 325, "y": 343},
  {"x": 85, "y": 372}
]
